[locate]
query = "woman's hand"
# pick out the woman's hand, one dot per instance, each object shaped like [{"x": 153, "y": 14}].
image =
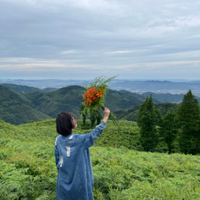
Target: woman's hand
[{"x": 106, "y": 113}]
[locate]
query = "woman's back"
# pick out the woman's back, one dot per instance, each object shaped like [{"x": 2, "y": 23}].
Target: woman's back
[{"x": 75, "y": 178}]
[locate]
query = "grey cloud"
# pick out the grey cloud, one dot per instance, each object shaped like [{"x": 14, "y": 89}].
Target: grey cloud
[{"x": 146, "y": 31}]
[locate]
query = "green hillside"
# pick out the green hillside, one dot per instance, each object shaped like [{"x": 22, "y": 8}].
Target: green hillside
[
  {"x": 132, "y": 113},
  {"x": 19, "y": 108},
  {"x": 28, "y": 171},
  {"x": 21, "y": 88},
  {"x": 70, "y": 99},
  {"x": 51, "y": 103},
  {"x": 118, "y": 100},
  {"x": 8, "y": 95},
  {"x": 17, "y": 113}
]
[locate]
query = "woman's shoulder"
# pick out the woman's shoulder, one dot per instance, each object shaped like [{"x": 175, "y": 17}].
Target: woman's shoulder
[
  {"x": 73, "y": 137},
  {"x": 79, "y": 137},
  {"x": 76, "y": 136}
]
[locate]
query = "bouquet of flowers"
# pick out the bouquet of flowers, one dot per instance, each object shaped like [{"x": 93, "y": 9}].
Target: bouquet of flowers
[{"x": 95, "y": 95}]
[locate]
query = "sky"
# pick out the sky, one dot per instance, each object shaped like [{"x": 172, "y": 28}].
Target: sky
[{"x": 84, "y": 39}]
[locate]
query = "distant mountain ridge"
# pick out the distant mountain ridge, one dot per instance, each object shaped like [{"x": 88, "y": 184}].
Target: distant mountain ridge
[
  {"x": 155, "y": 86},
  {"x": 170, "y": 98},
  {"x": 26, "y": 89},
  {"x": 158, "y": 97},
  {"x": 17, "y": 108}
]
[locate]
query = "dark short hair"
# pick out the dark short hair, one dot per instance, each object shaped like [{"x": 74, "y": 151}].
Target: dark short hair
[{"x": 64, "y": 124}]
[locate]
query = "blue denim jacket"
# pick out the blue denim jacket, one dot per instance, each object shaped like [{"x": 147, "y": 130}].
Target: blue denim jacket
[{"x": 75, "y": 177}]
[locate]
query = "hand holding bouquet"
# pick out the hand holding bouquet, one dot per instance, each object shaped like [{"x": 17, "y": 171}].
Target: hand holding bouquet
[{"x": 95, "y": 95}]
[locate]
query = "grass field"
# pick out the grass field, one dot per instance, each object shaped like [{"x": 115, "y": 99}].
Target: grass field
[{"x": 121, "y": 170}]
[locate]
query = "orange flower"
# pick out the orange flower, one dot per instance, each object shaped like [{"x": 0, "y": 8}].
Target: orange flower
[
  {"x": 92, "y": 96},
  {"x": 99, "y": 94}
]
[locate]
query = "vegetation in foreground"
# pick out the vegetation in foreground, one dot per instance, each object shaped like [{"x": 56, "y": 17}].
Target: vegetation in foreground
[{"x": 28, "y": 171}]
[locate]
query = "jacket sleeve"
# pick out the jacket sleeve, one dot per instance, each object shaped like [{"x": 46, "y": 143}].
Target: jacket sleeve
[
  {"x": 56, "y": 154},
  {"x": 88, "y": 139}
]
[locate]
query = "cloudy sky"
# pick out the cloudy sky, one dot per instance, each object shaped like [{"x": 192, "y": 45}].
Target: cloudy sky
[{"x": 83, "y": 39}]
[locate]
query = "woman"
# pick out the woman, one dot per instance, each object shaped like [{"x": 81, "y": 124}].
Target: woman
[{"x": 75, "y": 177}]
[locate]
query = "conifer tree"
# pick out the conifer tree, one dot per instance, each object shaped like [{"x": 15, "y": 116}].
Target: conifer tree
[
  {"x": 169, "y": 129},
  {"x": 141, "y": 111},
  {"x": 147, "y": 123},
  {"x": 158, "y": 117},
  {"x": 189, "y": 119}
]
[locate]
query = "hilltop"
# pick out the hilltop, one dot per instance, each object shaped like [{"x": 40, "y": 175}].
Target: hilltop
[{"x": 26, "y": 89}]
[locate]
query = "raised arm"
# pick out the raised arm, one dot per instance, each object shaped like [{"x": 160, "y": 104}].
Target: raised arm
[{"x": 89, "y": 138}]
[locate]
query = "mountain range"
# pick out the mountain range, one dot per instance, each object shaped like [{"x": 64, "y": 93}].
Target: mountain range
[
  {"x": 167, "y": 97},
  {"x": 17, "y": 108},
  {"x": 21, "y": 104}
]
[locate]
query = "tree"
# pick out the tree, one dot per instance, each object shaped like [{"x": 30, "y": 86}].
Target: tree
[
  {"x": 189, "y": 118},
  {"x": 169, "y": 129},
  {"x": 141, "y": 112},
  {"x": 147, "y": 123},
  {"x": 158, "y": 117}
]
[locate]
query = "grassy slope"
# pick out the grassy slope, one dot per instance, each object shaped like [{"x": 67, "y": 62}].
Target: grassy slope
[{"x": 27, "y": 166}]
